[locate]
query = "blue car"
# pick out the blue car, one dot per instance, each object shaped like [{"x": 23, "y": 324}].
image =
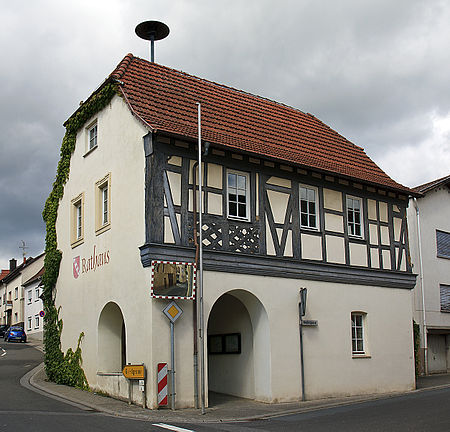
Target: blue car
[{"x": 15, "y": 333}]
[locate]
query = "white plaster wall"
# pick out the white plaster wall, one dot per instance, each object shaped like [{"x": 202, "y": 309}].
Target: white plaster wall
[
  {"x": 434, "y": 209},
  {"x": 31, "y": 310},
  {"x": 123, "y": 280},
  {"x": 330, "y": 369}
]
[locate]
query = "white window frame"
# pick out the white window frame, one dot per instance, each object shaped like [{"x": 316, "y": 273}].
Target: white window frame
[
  {"x": 361, "y": 221},
  {"x": 30, "y": 296},
  {"x": 29, "y": 323},
  {"x": 103, "y": 204},
  {"x": 37, "y": 321},
  {"x": 236, "y": 190},
  {"x": 359, "y": 344},
  {"x": 92, "y": 136},
  {"x": 77, "y": 220},
  {"x": 37, "y": 293},
  {"x": 16, "y": 293},
  {"x": 308, "y": 201}
]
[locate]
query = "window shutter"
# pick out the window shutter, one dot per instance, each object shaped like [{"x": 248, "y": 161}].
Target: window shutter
[
  {"x": 445, "y": 298},
  {"x": 443, "y": 244}
]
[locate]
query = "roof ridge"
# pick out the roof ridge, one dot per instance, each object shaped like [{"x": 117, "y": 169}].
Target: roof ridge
[
  {"x": 121, "y": 68},
  {"x": 213, "y": 83}
]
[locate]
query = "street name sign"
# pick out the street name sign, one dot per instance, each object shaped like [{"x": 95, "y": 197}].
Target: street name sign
[{"x": 134, "y": 372}]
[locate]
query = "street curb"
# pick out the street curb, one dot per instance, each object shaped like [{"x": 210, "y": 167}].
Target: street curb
[{"x": 30, "y": 382}]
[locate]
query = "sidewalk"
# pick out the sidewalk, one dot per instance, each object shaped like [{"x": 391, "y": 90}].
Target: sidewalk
[{"x": 224, "y": 408}]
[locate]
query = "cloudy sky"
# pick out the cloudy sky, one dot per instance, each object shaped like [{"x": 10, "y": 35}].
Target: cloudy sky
[{"x": 375, "y": 71}]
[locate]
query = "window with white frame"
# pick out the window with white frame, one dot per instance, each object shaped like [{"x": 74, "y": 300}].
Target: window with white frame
[
  {"x": 37, "y": 294},
  {"x": 354, "y": 216},
  {"x": 92, "y": 136},
  {"x": 29, "y": 323},
  {"x": 309, "y": 207},
  {"x": 358, "y": 319},
  {"x": 445, "y": 298},
  {"x": 36, "y": 321},
  {"x": 77, "y": 220},
  {"x": 16, "y": 293},
  {"x": 103, "y": 204},
  {"x": 238, "y": 194},
  {"x": 30, "y": 296}
]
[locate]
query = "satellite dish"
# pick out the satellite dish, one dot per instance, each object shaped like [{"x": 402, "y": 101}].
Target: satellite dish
[{"x": 152, "y": 30}]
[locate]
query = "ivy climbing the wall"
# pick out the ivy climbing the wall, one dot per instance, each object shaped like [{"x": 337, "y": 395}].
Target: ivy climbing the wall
[{"x": 64, "y": 368}]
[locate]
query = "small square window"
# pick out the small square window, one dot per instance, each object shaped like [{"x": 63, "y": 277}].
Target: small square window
[
  {"x": 103, "y": 204},
  {"x": 354, "y": 216},
  {"x": 238, "y": 187},
  {"x": 77, "y": 220}
]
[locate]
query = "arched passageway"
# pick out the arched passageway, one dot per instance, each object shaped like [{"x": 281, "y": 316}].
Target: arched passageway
[
  {"x": 239, "y": 347},
  {"x": 111, "y": 339}
]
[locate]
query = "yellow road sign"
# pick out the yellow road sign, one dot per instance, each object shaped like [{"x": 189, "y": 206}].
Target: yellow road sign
[{"x": 134, "y": 371}]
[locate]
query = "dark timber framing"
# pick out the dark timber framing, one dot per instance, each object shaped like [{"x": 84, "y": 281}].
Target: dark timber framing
[{"x": 241, "y": 246}]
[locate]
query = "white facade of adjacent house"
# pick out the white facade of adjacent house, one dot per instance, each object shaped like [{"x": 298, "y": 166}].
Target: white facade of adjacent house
[
  {"x": 356, "y": 271},
  {"x": 33, "y": 307},
  {"x": 429, "y": 231},
  {"x": 13, "y": 305}
]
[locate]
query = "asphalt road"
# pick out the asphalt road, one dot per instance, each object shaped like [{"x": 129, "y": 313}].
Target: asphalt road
[{"x": 24, "y": 410}]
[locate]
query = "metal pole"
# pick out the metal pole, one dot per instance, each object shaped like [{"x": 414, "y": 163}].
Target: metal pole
[
  {"x": 200, "y": 278},
  {"x": 424, "y": 316},
  {"x": 172, "y": 361},
  {"x": 152, "y": 48},
  {"x": 302, "y": 366}
]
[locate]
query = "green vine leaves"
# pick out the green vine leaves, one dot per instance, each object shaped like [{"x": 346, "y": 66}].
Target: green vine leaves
[{"x": 64, "y": 368}]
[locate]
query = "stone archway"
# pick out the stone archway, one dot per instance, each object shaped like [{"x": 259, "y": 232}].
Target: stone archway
[{"x": 238, "y": 315}]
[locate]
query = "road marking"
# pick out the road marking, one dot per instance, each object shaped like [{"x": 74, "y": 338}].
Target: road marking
[
  {"x": 172, "y": 428},
  {"x": 3, "y": 352}
]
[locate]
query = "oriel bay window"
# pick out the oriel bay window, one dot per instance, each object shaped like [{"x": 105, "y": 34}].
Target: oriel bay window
[
  {"x": 238, "y": 195},
  {"x": 354, "y": 216},
  {"x": 308, "y": 207}
]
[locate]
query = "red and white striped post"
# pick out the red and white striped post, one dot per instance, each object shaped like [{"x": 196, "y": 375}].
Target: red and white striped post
[{"x": 162, "y": 384}]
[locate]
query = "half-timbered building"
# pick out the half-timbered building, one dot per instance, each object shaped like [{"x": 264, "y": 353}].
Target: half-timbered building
[{"x": 288, "y": 204}]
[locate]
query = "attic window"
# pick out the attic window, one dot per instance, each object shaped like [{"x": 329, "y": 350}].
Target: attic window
[{"x": 91, "y": 137}]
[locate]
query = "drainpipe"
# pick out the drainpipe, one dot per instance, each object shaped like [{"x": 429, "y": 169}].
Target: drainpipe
[
  {"x": 424, "y": 319},
  {"x": 194, "y": 315}
]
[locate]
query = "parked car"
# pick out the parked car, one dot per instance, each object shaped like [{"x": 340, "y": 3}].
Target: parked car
[
  {"x": 15, "y": 333},
  {"x": 3, "y": 328}
]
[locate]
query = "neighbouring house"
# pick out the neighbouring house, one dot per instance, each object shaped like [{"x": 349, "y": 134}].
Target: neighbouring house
[
  {"x": 288, "y": 203},
  {"x": 12, "y": 308},
  {"x": 33, "y": 306},
  {"x": 429, "y": 233},
  {"x": 3, "y": 274}
]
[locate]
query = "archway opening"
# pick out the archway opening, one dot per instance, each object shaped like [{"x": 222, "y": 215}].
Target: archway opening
[
  {"x": 239, "y": 347},
  {"x": 111, "y": 339}
]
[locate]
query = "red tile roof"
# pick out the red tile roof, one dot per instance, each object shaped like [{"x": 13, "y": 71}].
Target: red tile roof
[
  {"x": 3, "y": 273},
  {"x": 165, "y": 99},
  {"x": 432, "y": 184}
]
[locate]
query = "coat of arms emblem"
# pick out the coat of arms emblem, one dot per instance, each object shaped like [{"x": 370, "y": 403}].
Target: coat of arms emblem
[{"x": 76, "y": 267}]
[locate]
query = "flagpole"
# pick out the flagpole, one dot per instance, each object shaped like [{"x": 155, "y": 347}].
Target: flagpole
[{"x": 201, "y": 331}]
